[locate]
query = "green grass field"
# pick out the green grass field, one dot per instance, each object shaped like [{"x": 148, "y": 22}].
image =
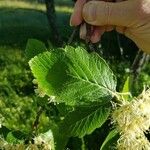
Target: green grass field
[{"x": 20, "y": 21}]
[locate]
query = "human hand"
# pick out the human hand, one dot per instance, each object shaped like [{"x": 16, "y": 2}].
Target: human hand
[
  {"x": 131, "y": 17},
  {"x": 87, "y": 32}
]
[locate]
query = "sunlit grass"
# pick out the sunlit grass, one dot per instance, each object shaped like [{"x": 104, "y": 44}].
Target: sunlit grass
[
  {"x": 20, "y": 20},
  {"x": 32, "y": 5}
]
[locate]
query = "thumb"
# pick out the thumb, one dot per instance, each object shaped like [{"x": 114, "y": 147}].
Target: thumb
[{"x": 101, "y": 13}]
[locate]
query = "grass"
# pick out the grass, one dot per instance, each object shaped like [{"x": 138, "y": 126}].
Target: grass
[
  {"x": 61, "y": 6},
  {"x": 20, "y": 20},
  {"x": 16, "y": 89}
]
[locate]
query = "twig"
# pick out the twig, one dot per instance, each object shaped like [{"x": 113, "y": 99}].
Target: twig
[
  {"x": 73, "y": 35},
  {"x": 36, "y": 122},
  {"x": 51, "y": 16}
]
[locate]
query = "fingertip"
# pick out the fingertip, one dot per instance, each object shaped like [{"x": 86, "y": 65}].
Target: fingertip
[
  {"x": 83, "y": 31},
  {"x": 95, "y": 39},
  {"x": 97, "y": 33},
  {"x": 76, "y": 17},
  {"x": 75, "y": 20}
]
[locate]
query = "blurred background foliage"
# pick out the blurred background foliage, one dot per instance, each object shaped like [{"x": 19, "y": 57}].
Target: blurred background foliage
[{"x": 21, "y": 20}]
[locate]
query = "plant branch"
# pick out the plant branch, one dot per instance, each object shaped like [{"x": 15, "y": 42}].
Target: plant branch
[
  {"x": 73, "y": 35},
  {"x": 36, "y": 122},
  {"x": 51, "y": 16}
]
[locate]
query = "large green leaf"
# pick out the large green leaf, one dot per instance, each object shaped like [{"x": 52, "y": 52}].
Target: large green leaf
[
  {"x": 84, "y": 120},
  {"x": 74, "y": 76},
  {"x": 50, "y": 71}
]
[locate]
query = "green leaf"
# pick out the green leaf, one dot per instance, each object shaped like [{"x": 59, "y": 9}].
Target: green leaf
[
  {"x": 34, "y": 47},
  {"x": 126, "y": 86},
  {"x": 126, "y": 90},
  {"x": 11, "y": 139},
  {"x": 59, "y": 139},
  {"x": 50, "y": 71},
  {"x": 84, "y": 120},
  {"x": 74, "y": 76},
  {"x": 63, "y": 109},
  {"x": 110, "y": 140},
  {"x": 19, "y": 135}
]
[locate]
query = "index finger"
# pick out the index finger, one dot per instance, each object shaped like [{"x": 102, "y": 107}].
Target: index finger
[{"x": 76, "y": 17}]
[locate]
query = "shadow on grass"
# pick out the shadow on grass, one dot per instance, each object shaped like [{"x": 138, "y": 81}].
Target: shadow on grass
[{"x": 18, "y": 25}]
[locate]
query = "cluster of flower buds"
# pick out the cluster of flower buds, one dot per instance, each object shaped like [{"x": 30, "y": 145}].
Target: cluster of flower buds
[{"x": 132, "y": 119}]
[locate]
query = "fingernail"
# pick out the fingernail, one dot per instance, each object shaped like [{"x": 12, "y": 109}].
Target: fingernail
[
  {"x": 89, "y": 12},
  {"x": 83, "y": 31},
  {"x": 70, "y": 23}
]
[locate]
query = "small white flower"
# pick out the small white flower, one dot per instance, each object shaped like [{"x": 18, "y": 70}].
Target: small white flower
[
  {"x": 40, "y": 92},
  {"x": 51, "y": 99},
  {"x": 45, "y": 140},
  {"x": 38, "y": 140}
]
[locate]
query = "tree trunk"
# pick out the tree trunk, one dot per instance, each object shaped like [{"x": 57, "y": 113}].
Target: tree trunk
[{"x": 51, "y": 16}]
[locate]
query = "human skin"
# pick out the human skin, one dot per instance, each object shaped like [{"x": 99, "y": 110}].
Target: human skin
[{"x": 130, "y": 17}]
